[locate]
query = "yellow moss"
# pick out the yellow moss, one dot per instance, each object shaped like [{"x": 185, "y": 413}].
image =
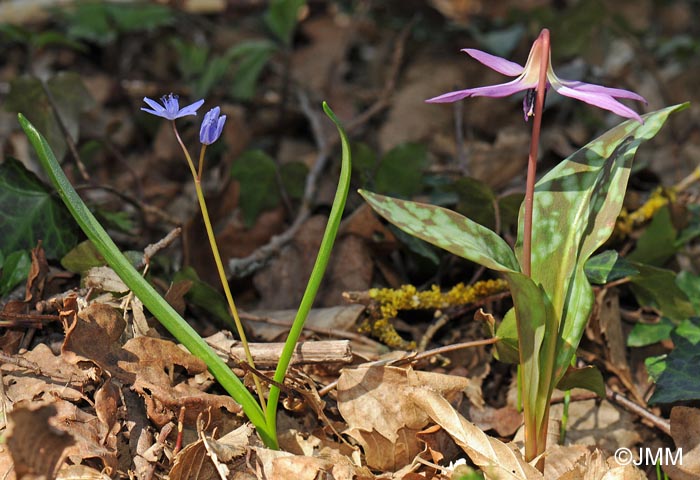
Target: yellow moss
[
  {"x": 659, "y": 198},
  {"x": 407, "y": 297}
]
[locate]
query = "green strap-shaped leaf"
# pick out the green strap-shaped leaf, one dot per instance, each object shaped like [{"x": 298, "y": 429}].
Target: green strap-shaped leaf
[
  {"x": 165, "y": 314},
  {"x": 446, "y": 229},
  {"x": 537, "y": 335}
]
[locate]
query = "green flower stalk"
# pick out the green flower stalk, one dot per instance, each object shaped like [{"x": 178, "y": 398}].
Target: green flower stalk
[{"x": 210, "y": 131}]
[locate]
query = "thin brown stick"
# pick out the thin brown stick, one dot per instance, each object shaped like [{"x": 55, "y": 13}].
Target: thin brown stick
[
  {"x": 660, "y": 423},
  {"x": 413, "y": 357}
]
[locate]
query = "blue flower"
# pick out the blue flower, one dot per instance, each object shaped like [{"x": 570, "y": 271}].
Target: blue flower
[
  {"x": 212, "y": 125},
  {"x": 171, "y": 107}
]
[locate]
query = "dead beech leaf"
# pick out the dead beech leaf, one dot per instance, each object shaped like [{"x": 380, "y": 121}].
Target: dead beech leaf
[
  {"x": 57, "y": 378},
  {"x": 80, "y": 472},
  {"x": 37, "y": 448},
  {"x": 192, "y": 462},
  {"x": 505, "y": 420},
  {"x": 593, "y": 466},
  {"x": 685, "y": 431},
  {"x": 496, "y": 459},
  {"x": 373, "y": 401},
  {"x": 149, "y": 360},
  {"x": 105, "y": 279}
]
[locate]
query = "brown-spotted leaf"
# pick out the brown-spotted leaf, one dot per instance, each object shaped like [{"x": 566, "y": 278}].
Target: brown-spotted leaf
[
  {"x": 446, "y": 229},
  {"x": 496, "y": 459}
]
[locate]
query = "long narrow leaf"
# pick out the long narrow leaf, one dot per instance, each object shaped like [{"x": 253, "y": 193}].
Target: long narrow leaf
[
  {"x": 165, "y": 314},
  {"x": 319, "y": 269}
]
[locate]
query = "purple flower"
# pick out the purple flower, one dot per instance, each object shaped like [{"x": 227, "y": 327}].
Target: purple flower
[
  {"x": 171, "y": 107},
  {"x": 212, "y": 125},
  {"x": 597, "y": 95}
]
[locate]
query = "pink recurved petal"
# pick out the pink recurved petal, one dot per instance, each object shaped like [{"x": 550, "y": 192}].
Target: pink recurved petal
[
  {"x": 500, "y": 64},
  {"x": 495, "y": 91},
  {"x": 600, "y": 100},
  {"x": 593, "y": 88}
]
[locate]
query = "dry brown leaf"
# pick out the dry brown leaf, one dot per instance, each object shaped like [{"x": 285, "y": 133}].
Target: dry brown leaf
[
  {"x": 438, "y": 443},
  {"x": 80, "y": 472},
  {"x": 150, "y": 360},
  {"x": 593, "y": 466},
  {"x": 52, "y": 378},
  {"x": 505, "y": 421},
  {"x": 560, "y": 460},
  {"x": 685, "y": 431},
  {"x": 373, "y": 401},
  {"x": 193, "y": 463},
  {"x": 105, "y": 279},
  {"x": 37, "y": 448},
  {"x": 495, "y": 458},
  {"x": 89, "y": 433},
  {"x": 281, "y": 283}
]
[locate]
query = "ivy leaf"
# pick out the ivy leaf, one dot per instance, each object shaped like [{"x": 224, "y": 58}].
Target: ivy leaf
[
  {"x": 607, "y": 267},
  {"x": 71, "y": 99},
  {"x": 658, "y": 242},
  {"x": 255, "y": 170},
  {"x": 644, "y": 334},
  {"x": 29, "y": 212},
  {"x": 676, "y": 373},
  {"x": 656, "y": 287},
  {"x": 15, "y": 269},
  {"x": 400, "y": 171}
]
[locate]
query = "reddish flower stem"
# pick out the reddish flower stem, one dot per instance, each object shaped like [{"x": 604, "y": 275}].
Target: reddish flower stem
[{"x": 532, "y": 159}]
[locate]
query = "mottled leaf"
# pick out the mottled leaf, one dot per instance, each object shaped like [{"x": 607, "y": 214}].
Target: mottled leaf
[
  {"x": 676, "y": 374},
  {"x": 537, "y": 334},
  {"x": 446, "y": 229},
  {"x": 29, "y": 212},
  {"x": 575, "y": 208}
]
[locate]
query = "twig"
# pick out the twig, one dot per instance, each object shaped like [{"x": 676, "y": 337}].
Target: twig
[
  {"x": 268, "y": 354},
  {"x": 322, "y": 331},
  {"x": 152, "y": 249},
  {"x": 660, "y": 423},
  {"x": 413, "y": 357}
]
